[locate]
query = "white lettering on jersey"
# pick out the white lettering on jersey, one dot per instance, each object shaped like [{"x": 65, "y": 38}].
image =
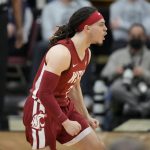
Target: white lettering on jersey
[
  {"x": 76, "y": 75},
  {"x": 74, "y": 65}
]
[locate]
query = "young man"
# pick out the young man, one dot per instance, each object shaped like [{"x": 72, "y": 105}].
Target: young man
[{"x": 55, "y": 109}]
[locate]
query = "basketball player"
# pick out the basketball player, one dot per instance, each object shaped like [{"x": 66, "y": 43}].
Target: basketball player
[{"x": 55, "y": 110}]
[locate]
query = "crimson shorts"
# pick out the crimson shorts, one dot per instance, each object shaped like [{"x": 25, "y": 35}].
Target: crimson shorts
[{"x": 43, "y": 130}]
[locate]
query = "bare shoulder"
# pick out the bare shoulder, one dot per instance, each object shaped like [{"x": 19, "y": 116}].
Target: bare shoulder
[
  {"x": 58, "y": 58},
  {"x": 58, "y": 51}
]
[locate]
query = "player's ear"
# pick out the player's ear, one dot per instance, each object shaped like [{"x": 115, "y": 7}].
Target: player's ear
[{"x": 86, "y": 28}]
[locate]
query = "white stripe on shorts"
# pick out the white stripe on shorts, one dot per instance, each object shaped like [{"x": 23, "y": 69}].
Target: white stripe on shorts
[
  {"x": 34, "y": 145},
  {"x": 41, "y": 133},
  {"x": 34, "y": 108},
  {"x": 79, "y": 137}
]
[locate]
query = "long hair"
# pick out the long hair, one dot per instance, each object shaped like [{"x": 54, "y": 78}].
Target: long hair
[{"x": 69, "y": 30}]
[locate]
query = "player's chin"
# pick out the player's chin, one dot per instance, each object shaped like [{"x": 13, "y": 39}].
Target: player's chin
[{"x": 99, "y": 43}]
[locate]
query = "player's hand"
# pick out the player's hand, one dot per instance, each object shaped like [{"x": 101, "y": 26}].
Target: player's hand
[
  {"x": 94, "y": 123},
  {"x": 71, "y": 127},
  {"x": 19, "y": 38}
]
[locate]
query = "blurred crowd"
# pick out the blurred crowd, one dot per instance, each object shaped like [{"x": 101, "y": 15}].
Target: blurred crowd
[{"x": 123, "y": 76}]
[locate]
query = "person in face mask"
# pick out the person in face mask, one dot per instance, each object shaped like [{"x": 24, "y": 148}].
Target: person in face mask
[
  {"x": 137, "y": 37},
  {"x": 125, "y": 13},
  {"x": 125, "y": 70},
  {"x": 136, "y": 43}
]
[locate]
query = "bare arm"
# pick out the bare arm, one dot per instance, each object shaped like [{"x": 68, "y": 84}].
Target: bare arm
[
  {"x": 58, "y": 59},
  {"x": 17, "y": 9},
  {"x": 77, "y": 97}
]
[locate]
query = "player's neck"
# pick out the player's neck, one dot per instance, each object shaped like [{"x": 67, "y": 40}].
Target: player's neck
[{"x": 81, "y": 42}]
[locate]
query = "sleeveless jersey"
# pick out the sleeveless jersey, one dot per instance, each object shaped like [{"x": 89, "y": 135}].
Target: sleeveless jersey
[{"x": 68, "y": 78}]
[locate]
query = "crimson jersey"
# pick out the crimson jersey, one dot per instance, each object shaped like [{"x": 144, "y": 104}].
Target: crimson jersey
[{"x": 68, "y": 78}]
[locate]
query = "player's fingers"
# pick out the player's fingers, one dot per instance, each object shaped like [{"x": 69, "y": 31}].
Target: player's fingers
[
  {"x": 76, "y": 132},
  {"x": 79, "y": 126},
  {"x": 97, "y": 123},
  {"x": 94, "y": 124}
]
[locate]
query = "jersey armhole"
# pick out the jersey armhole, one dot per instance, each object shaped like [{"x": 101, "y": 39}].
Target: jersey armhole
[{"x": 89, "y": 55}]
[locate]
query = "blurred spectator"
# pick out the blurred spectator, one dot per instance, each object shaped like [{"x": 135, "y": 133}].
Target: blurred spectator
[
  {"x": 37, "y": 6},
  {"x": 17, "y": 7},
  {"x": 11, "y": 28},
  {"x": 50, "y": 19},
  {"x": 127, "y": 143},
  {"x": 49, "y": 22},
  {"x": 123, "y": 14},
  {"x": 128, "y": 69}
]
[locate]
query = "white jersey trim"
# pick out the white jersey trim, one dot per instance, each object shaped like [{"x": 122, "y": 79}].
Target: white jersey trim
[
  {"x": 34, "y": 146},
  {"x": 37, "y": 83},
  {"x": 79, "y": 137},
  {"x": 42, "y": 132}
]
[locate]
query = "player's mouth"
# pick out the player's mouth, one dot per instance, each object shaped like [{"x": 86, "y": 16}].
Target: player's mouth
[{"x": 104, "y": 35}]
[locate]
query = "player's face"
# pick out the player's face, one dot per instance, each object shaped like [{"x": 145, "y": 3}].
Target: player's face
[{"x": 97, "y": 32}]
